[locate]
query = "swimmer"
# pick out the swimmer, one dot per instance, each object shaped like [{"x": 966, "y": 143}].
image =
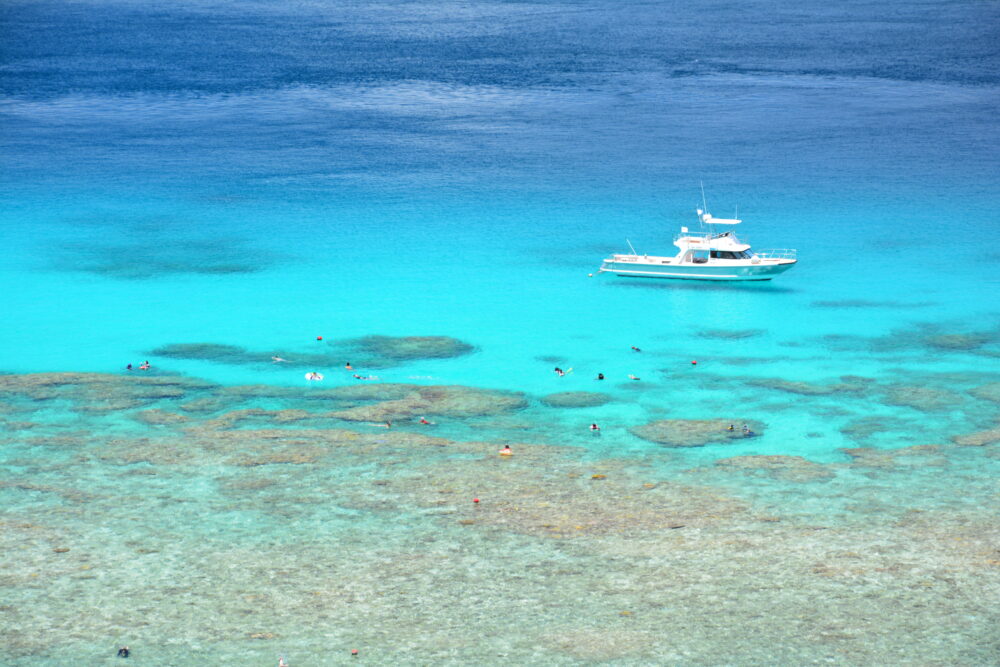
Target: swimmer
[
  {"x": 123, "y": 652},
  {"x": 281, "y": 661},
  {"x": 633, "y": 377},
  {"x": 506, "y": 451},
  {"x": 558, "y": 371},
  {"x": 634, "y": 348},
  {"x": 595, "y": 428},
  {"x": 348, "y": 366},
  {"x": 600, "y": 376},
  {"x": 388, "y": 424},
  {"x": 129, "y": 367},
  {"x": 730, "y": 428},
  {"x": 279, "y": 360},
  {"x": 144, "y": 366},
  {"x": 424, "y": 421}
]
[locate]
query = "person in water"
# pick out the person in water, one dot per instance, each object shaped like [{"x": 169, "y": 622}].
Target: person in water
[
  {"x": 633, "y": 377},
  {"x": 129, "y": 367},
  {"x": 595, "y": 428},
  {"x": 348, "y": 366},
  {"x": 423, "y": 420},
  {"x": 144, "y": 366},
  {"x": 600, "y": 376},
  {"x": 558, "y": 371},
  {"x": 636, "y": 349},
  {"x": 506, "y": 451},
  {"x": 730, "y": 428},
  {"x": 278, "y": 360},
  {"x": 123, "y": 652}
]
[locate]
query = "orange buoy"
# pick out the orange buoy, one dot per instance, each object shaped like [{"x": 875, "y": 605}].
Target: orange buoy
[{"x": 354, "y": 651}]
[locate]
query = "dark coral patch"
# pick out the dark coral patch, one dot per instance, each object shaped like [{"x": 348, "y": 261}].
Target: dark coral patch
[
  {"x": 695, "y": 432},
  {"x": 576, "y": 399},
  {"x": 381, "y": 351},
  {"x": 925, "y": 399},
  {"x": 987, "y": 392},
  {"x": 730, "y": 334},
  {"x": 221, "y": 353},
  {"x": 454, "y": 401},
  {"x": 146, "y": 258},
  {"x": 958, "y": 341},
  {"x": 805, "y": 388}
]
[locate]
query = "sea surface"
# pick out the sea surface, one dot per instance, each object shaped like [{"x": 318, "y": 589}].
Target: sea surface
[{"x": 425, "y": 191}]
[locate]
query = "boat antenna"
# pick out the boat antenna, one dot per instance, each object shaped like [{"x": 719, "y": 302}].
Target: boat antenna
[
  {"x": 704, "y": 204},
  {"x": 630, "y": 246}
]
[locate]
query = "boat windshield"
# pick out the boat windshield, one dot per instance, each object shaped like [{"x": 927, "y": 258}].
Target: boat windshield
[{"x": 728, "y": 254}]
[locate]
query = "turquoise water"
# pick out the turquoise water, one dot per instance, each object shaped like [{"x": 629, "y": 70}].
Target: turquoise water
[{"x": 257, "y": 177}]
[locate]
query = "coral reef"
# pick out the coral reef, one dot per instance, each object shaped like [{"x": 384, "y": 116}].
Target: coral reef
[
  {"x": 923, "y": 398},
  {"x": 957, "y": 341},
  {"x": 384, "y": 351},
  {"x": 576, "y": 399},
  {"x": 695, "y": 432},
  {"x": 788, "y": 468},
  {"x": 987, "y": 392},
  {"x": 805, "y": 388},
  {"x": 442, "y": 401},
  {"x": 730, "y": 334},
  {"x": 978, "y": 439}
]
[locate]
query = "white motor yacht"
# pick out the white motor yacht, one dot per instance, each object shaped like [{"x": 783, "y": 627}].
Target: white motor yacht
[{"x": 707, "y": 255}]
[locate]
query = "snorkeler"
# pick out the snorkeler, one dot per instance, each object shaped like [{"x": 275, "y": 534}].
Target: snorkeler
[
  {"x": 636, "y": 349},
  {"x": 600, "y": 376}
]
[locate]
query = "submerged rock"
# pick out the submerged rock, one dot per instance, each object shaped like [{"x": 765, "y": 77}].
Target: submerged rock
[
  {"x": 576, "y": 399},
  {"x": 695, "y": 432}
]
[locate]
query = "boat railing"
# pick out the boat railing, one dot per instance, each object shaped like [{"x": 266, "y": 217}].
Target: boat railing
[{"x": 777, "y": 253}]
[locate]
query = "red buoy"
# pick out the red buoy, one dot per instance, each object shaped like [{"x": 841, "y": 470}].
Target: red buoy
[
  {"x": 694, "y": 363},
  {"x": 319, "y": 338},
  {"x": 475, "y": 500},
  {"x": 354, "y": 651}
]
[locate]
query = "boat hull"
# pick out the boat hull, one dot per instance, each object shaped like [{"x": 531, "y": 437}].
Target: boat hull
[{"x": 761, "y": 271}]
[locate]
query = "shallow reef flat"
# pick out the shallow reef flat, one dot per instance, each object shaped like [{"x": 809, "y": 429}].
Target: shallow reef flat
[{"x": 261, "y": 521}]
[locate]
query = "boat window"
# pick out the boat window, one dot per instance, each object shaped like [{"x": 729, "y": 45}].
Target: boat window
[
  {"x": 699, "y": 256},
  {"x": 725, "y": 254}
]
